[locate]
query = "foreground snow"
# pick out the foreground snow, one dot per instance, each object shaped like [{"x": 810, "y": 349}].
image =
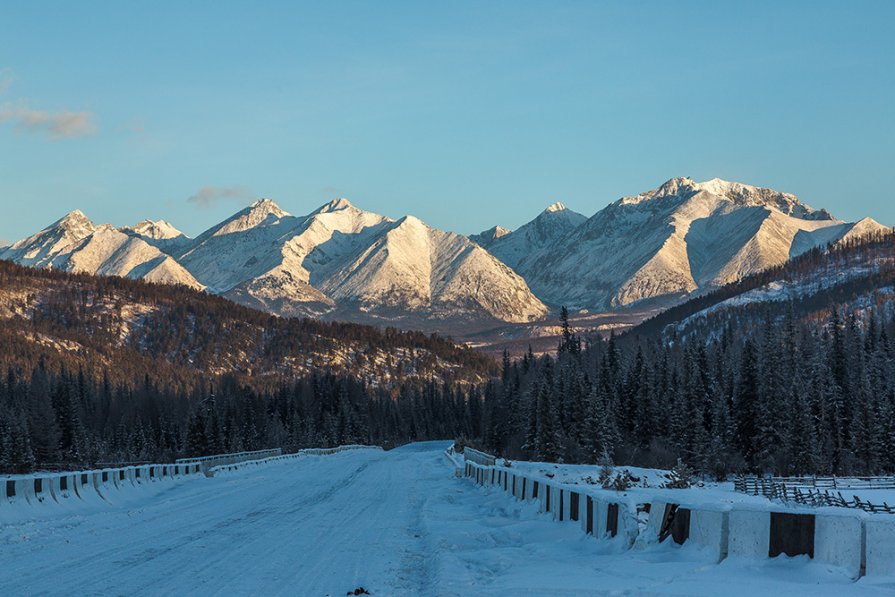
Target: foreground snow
[{"x": 397, "y": 523}]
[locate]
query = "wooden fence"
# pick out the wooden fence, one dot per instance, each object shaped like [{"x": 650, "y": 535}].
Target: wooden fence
[{"x": 817, "y": 491}]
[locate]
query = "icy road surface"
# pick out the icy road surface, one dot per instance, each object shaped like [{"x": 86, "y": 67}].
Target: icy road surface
[{"x": 396, "y": 523}]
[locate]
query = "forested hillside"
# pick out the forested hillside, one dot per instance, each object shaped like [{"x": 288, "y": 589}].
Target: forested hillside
[
  {"x": 108, "y": 370},
  {"x": 122, "y": 328},
  {"x": 800, "y": 382}
]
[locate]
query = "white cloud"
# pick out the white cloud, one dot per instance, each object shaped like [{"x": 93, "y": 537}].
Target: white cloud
[
  {"x": 57, "y": 125},
  {"x": 210, "y": 195}
]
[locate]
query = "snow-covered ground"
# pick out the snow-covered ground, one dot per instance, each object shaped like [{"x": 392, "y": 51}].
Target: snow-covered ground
[
  {"x": 397, "y": 523},
  {"x": 646, "y": 489}
]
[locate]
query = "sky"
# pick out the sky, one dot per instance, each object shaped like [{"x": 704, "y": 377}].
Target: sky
[{"x": 465, "y": 114}]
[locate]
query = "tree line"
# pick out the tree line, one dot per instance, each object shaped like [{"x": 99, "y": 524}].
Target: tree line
[
  {"x": 66, "y": 420},
  {"x": 783, "y": 396}
]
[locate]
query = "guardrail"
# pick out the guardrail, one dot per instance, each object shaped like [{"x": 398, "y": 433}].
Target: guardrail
[
  {"x": 275, "y": 459},
  {"x": 207, "y": 462},
  {"x": 107, "y": 486},
  {"x": 858, "y": 543},
  {"x": 478, "y": 457},
  {"x": 101, "y": 485}
]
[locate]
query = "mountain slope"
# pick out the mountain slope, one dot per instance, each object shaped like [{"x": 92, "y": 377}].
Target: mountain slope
[
  {"x": 858, "y": 274},
  {"x": 525, "y": 243},
  {"x": 680, "y": 238}
]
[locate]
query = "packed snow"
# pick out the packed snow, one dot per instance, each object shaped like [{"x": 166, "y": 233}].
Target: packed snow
[{"x": 395, "y": 523}]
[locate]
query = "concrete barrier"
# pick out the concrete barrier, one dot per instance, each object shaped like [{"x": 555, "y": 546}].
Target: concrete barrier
[
  {"x": 845, "y": 540},
  {"x": 478, "y": 457},
  {"x": 16, "y": 491},
  {"x": 710, "y": 530},
  {"x": 24, "y": 491},
  {"x": 144, "y": 475},
  {"x": 839, "y": 540},
  {"x": 207, "y": 462},
  {"x": 880, "y": 542},
  {"x": 42, "y": 492},
  {"x": 656, "y": 517},
  {"x": 62, "y": 487},
  {"x": 86, "y": 489},
  {"x": 749, "y": 533}
]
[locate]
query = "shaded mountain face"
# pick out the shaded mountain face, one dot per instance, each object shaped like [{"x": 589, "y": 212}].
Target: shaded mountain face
[
  {"x": 648, "y": 250},
  {"x": 336, "y": 257},
  {"x": 681, "y": 238}
]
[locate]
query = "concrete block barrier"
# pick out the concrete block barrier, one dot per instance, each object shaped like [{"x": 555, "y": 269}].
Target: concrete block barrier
[
  {"x": 839, "y": 540},
  {"x": 41, "y": 492},
  {"x": 880, "y": 543},
  {"x": 62, "y": 487},
  {"x": 24, "y": 491},
  {"x": 14, "y": 492},
  {"x": 86, "y": 489},
  {"x": 848, "y": 540},
  {"x": 749, "y": 533},
  {"x": 710, "y": 530},
  {"x": 656, "y": 517},
  {"x": 143, "y": 475}
]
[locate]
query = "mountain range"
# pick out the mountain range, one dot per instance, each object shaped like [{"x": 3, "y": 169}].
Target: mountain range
[{"x": 659, "y": 247}]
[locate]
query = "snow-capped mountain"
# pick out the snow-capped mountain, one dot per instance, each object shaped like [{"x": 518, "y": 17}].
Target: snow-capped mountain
[
  {"x": 76, "y": 244},
  {"x": 680, "y": 238},
  {"x": 337, "y": 257},
  {"x": 525, "y": 244},
  {"x": 339, "y": 261},
  {"x": 490, "y": 235},
  {"x": 158, "y": 233}
]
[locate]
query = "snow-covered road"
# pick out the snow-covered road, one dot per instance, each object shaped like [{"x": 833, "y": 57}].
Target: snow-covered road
[{"x": 396, "y": 523}]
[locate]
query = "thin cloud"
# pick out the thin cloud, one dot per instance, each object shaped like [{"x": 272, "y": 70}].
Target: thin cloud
[
  {"x": 6, "y": 79},
  {"x": 58, "y": 125},
  {"x": 210, "y": 196}
]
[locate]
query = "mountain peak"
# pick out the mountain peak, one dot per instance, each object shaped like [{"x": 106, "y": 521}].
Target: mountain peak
[
  {"x": 74, "y": 217},
  {"x": 486, "y": 237},
  {"x": 340, "y": 203},
  {"x": 267, "y": 206},
  {"x": 673, "y": 187},
  {"x": 155, "y": 229},
  {"x": 259, "y": 213},
  {"x": 555, "y": 207}
]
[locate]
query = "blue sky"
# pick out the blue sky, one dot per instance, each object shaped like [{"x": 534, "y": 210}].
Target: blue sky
[{"x": 466, "y": 114}]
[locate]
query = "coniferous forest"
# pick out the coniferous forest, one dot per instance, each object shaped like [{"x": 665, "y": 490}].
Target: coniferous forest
[{"x": 787, "y": 399}]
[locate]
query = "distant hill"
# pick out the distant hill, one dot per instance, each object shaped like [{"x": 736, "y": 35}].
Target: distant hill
[{"x": 125, "y": 329}]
